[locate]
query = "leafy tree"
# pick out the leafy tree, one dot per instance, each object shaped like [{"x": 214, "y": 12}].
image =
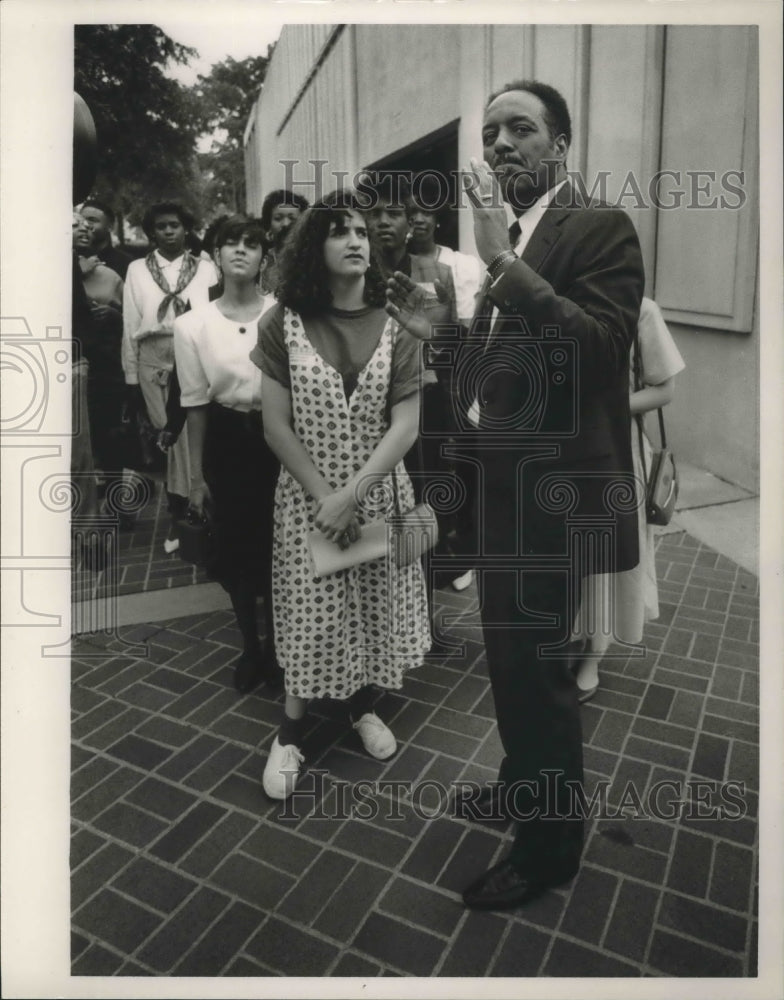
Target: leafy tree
[
  {"x": 147, "y": 123},
  {"x": 225, "y": 98}
]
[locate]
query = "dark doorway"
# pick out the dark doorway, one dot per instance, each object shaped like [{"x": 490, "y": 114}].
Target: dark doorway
[{"x": 434, "y": 152}]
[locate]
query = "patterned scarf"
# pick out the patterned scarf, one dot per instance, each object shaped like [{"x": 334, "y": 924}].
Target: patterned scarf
[{"x": 187, "y": 271}]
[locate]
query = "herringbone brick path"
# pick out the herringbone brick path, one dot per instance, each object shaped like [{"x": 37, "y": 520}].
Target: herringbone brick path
[{"x": 182, "y": 867}]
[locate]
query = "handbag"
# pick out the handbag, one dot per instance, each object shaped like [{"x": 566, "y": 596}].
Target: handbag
[
  {"x": 661, "y": 484},
  {"x": 196, "y": 537},
  {"x": 405, "y": 537}
]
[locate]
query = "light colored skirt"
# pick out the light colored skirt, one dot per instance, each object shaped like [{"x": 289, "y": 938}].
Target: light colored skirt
[{"x": 156, "y": 362}]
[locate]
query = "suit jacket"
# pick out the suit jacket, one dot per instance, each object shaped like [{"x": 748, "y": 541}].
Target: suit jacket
[{"x": 556, "y": 374}]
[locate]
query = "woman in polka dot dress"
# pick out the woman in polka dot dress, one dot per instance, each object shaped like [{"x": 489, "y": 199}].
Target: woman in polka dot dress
[{"x": 340, "y": 390}]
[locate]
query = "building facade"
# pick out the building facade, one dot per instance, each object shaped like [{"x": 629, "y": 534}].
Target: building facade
[{"x": 665, "y": 124}]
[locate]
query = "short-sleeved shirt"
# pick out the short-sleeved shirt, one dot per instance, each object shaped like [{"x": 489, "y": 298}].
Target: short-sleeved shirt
[
  {"x": 346, "y": 340},
  {"x": 660, "y": 357},
  {"x": 213, "y": 359}
]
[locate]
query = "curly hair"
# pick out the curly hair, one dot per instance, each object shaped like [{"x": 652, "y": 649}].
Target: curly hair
[
  {"x": 280, "y": 197},
  {"x": 304, "y": 279},
  {"x": 167, "y": 208}
]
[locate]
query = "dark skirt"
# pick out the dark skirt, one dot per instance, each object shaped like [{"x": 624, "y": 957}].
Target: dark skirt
[{"x": 241, "y": 473}]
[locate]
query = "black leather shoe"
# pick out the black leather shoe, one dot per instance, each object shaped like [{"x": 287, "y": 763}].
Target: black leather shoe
[
  {"x": 504, "y": 886},
  {"x": 486, "y": 806}
]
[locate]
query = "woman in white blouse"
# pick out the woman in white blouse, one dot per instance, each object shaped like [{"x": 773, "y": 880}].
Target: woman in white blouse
[
  {"x": 233, "y": 472},
  {"x": 165, "y": 284}
]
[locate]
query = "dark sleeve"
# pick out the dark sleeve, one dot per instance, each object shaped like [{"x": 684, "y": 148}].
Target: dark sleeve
[
  {"x": 82, "y": 324},
  {"x": 601, "y": 295},
  {"x": 407, "y": 367},
  {"x": 175, "y": 413},
  {"x": 270, "y": 353}
]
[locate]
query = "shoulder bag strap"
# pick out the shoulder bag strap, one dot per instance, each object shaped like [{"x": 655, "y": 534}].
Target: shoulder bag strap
[{"x": 638, "y": 416}]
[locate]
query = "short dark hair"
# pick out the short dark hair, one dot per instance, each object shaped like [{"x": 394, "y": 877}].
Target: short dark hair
[
  {"x": 389, "y": 187},
  {"x": 102, "y": 207},
  {"x": 556, "y": 111},
  {"x": 166, "y": 208},
  {"x": 426, "y": 195},
  {"x": 208, "y": 240},
  {"x": 233, "y": 227},
  {"x": 304, "y": 279},
  {"x": 280, "y": 197}
]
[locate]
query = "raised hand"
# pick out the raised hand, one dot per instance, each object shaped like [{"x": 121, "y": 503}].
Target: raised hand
[
  {"x": 415, "y": 309},
  {"x": 491, "y": 225}
]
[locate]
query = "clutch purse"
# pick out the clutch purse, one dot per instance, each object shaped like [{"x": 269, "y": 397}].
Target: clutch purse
[{"x": 404, "y": 537}]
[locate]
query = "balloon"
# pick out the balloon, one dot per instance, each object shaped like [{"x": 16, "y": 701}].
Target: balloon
[{"x": 85, "y": 150}]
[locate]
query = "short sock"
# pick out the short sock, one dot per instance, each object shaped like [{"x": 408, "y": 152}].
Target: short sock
[
  {"x": 361, "y": 702},
  {"x": 291, "y": 731}
]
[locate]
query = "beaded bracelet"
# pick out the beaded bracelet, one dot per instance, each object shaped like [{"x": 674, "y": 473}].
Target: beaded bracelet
[{"x": 500, "y": 258}]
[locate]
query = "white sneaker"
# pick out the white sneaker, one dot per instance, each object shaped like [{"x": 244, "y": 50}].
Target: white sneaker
[
  {"x": 282, "y": 770},
  {"x": 464, "y": 581},
  {"x": 171, "y": 545},
  {"x": 377, "y": 738}
]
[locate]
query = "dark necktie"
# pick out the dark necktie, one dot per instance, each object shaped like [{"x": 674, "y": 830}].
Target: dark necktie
[{"x": 514, "y": 233}]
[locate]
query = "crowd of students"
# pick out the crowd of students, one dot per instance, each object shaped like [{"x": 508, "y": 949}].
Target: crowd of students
[{"x": 265, "y": 370}]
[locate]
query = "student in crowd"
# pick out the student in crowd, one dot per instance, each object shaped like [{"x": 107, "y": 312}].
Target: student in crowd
[
  {"x": 388, "y": 219},
  {"x": 103, "y": 290},
  {"x": 233, "y": 471},
  {"x": 165, "y": 284},
  {"x": 467, "y": 272},
  {"x": 102, "y": 284},
  {"x": 615, "y": 607},
  {"x": 279, "y": 212},
  {"x": 100, "y": 219},
  {"x": 340, "y": 390},
  {"x": 83, "y": 334}
]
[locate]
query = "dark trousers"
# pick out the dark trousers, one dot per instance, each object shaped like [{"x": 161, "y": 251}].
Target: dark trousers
[
  {"x": 528, "y": 590},
  {"x": 537, "y": 711}
]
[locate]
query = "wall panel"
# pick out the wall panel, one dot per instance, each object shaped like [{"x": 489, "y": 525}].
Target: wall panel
[
  {"x": 507, "y": 54},
  {"x": 624, "y": 103},
  {"x": 561, "y": 59},
  {"x": 407, "y": 76},
  {"x": 708, "y": 125}
]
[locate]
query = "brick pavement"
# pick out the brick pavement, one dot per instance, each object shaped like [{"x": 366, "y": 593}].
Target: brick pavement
[
  {"x": 182, "y": 867},
  {"x": 142, "y": 565}
]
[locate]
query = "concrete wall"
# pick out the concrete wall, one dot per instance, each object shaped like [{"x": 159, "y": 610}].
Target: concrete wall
[{"x": 713, "y": 421}]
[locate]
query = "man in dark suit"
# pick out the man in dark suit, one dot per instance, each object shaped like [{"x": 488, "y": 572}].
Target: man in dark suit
[{"x": 544, "y": 375}]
